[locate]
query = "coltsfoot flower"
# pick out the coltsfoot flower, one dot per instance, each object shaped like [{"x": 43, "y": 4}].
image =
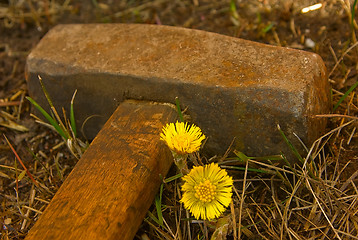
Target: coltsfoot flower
[
  {"x": 182, "y": 138},
  {"x": 207, "y": 191}
]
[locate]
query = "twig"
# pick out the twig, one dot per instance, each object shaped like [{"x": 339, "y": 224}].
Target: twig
[
  {"x": 242, "y": 199},
  {"x": 7, "y": 104},
  {"x": 341, "y": 58},
  {"x": 232, "y": 208},
  {"x": 320, "y": 206},
  {"x": 19, "y": 159},
  {"x": 336, "y": 115},
  {"x": 137, "y": 8}
]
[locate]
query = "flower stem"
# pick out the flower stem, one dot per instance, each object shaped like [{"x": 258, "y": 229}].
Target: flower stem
[{"x": 180, "y": 162}]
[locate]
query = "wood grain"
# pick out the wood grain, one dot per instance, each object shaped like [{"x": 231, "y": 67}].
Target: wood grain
[{"x": 109, "y": 191}]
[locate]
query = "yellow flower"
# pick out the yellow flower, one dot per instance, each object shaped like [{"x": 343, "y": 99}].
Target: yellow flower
[
  {"x": 207, "y": 191},
  {"x": 182, "y": 138}
]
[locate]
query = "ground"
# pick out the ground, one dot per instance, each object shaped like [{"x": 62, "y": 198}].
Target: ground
[{"x": 328, "y": 31}]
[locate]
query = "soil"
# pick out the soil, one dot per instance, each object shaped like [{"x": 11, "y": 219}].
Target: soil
[{"x": 273, "y": 22}]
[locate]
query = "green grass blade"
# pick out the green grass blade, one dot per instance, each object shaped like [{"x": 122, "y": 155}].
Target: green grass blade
[
  {"x": 53, "y": 109},
  {"x": 290, "y": 145},
  {"x": 241, "y": 156},
  {"x": 59, "y": 173},
  {"x": 294, "y": 151},
  {"x": 345, "y": 96},
  {"x": 21, "y": 175},
  {"x": 248, "y": 169},
  {"x": 38, "y": 160},
  {"x": 50, "y": 119},
  {"x": 233, "y": 9},
  {"x": 161, "y": 193},
  {"x": 288, "y": 163},
  {"x": 179, "y": 109},
  {"x": 95, "y": 3},
  {"x": 158, "y": 205},
  {"x": 151, "y": 216},
  {"x": 47, "y": 95},
  {"x": 169, "y": 179},
  {"x": 268, "y": 28},
  {"x": 72, "y": 116},
  {"x": 268, "y": 158}
]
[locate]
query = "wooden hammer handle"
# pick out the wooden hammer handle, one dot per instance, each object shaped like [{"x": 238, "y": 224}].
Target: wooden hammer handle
[{"x": 108, "y": 193}]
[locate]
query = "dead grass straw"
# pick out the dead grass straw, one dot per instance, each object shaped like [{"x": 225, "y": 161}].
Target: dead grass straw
[{"x": 314, "y": 200}]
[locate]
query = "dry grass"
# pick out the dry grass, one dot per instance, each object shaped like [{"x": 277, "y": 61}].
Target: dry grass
[
  {"x": 314, "y": 200},
  {"x": 31, "y": 11}
]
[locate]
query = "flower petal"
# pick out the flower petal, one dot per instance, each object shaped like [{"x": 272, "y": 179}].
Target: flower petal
[{"x": 213, "y": 180}]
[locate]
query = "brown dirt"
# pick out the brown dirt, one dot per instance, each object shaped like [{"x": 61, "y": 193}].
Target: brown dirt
[{"x": 328, "y": 28}]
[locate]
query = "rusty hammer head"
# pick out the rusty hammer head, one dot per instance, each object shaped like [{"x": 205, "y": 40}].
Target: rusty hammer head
[{"x": 232, "y": 88}]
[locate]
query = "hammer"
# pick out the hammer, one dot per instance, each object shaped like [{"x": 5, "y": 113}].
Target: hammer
[{"x": 126, "y": 74}]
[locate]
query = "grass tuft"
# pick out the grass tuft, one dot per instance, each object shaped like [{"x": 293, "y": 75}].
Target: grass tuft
[{"x": 67, "y": 129}]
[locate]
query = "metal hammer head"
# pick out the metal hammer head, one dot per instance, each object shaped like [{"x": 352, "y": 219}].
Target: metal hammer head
[{"x": 233, "y": 88}]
